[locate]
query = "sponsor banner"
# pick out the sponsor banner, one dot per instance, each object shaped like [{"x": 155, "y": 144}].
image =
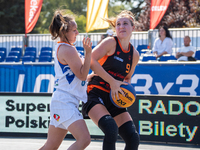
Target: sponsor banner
[
  {"x": 158, "y": 9},
  {"x": 157, "y": 118},
  {"x": 167, "y": 118},
  {"x": 27, "y": 78},
  {"x": 159, "y": 79},
  {"x": 24, "y": 114},
  {"x": 32, "y": 13},
  {"x": 167, "y": 79},
  {"x": 29, "y": 114}
]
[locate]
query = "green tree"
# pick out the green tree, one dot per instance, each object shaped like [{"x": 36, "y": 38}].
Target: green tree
[
  {"x": 12, "y": 17},
  {"x": 135, "y": 6},
  {"x": 77, "y": 8},
  {"x": 12, "y": 14}
]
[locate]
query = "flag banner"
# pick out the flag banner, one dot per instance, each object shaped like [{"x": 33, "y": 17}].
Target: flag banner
[
  {"x": 158, "y": 9},
  {"x": 32, "y": 12},
  {"x": 96, "y": 10}
]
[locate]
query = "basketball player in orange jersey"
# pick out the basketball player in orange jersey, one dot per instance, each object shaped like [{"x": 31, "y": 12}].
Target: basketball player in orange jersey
[{"x": 114, "y": 61}]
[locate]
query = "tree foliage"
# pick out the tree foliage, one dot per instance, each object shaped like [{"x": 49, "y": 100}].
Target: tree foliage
[
  {"x": 12, "y": 16},
  {"x": 135, "y": 6},
  {"x": 72, "y": 7},
  {"x": 180, "y": 14}
]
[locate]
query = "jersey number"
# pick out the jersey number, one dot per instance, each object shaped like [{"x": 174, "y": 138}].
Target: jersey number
[{"x": 127, "y": 68}]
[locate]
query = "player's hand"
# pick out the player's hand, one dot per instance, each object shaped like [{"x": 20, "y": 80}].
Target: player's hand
[
  {"x": 115, "y": 89},
  {"x": 90, "y": 76},
  {"x": 87, "y": 45}
]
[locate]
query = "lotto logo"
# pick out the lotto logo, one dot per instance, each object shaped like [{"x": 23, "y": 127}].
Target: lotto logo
[{"x": 56, "y": 116}]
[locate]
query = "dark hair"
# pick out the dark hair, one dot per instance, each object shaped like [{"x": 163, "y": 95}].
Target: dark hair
[
  {"x": 166, "y": 30},
  {"x": 60, "y": 24}
]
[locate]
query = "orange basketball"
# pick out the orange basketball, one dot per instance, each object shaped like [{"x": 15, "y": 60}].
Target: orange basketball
[{"x": 128, "y": 99}]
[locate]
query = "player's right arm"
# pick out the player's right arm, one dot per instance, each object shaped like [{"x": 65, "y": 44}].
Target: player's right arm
[
  {"x": 106, "y": 47},
  {"x": 68, "y": 55}
]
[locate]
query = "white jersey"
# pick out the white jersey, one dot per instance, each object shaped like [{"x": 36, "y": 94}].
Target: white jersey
[
  {"x": 161, "y": 46},
  {"x": 185, "y": 50},
  {"x": 65, "y": 79}
]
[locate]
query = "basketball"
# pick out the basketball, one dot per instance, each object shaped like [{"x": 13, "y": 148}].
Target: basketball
[{"x": 128, "y": 99}]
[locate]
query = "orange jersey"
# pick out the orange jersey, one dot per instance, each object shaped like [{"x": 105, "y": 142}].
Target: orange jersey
[{"x": 118, "y": 65}]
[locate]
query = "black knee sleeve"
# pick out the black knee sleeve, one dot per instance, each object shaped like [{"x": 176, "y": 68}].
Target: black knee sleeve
[
  {"x": 130, "y": 136},
  {"x": 109, "y": 127}
]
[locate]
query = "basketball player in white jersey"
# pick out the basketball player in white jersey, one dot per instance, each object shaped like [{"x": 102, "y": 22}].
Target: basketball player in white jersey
[{"x": 71, "y": 70}]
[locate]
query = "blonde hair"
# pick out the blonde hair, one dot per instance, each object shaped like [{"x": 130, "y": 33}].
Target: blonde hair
[
  {"x": 123, "y": 14},
  {"x": 59, "y": 24}
]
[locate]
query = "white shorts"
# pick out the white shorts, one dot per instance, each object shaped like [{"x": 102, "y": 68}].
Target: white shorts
[{"x": 64, "y": 110}]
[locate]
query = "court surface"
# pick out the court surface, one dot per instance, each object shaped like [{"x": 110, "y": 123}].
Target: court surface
[{"x": 15, "y": 143}]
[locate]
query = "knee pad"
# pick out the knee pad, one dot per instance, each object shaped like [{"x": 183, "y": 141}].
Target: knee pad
[
  {"x": 109, "y": 127},
  {"x": 130, "y": 136}
]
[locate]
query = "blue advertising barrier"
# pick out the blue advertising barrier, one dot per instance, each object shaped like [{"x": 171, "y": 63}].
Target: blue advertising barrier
[
  {"x": 167, "y": 78},
  {"x": 27, "y": 78},
  {"x": 160, "y": 78}
]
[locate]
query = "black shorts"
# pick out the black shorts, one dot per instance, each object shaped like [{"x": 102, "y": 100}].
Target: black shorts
[{"x": 97, "y": 96}]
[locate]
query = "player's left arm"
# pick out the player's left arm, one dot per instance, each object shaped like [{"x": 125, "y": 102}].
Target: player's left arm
[{"x": 132, "y": 69}]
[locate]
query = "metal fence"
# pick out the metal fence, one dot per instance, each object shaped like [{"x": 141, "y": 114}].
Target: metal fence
[
  {"x": 138, "y": 38},
  {"x": 44, "y": 40},
  {"x": 9, "y": 40},
  {"x": 178, "y": 35}
]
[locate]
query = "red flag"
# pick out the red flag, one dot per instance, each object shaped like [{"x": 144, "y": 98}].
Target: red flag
[
  {"x": 158, "y": 9},
  {"x": 32, "y": 12}
]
